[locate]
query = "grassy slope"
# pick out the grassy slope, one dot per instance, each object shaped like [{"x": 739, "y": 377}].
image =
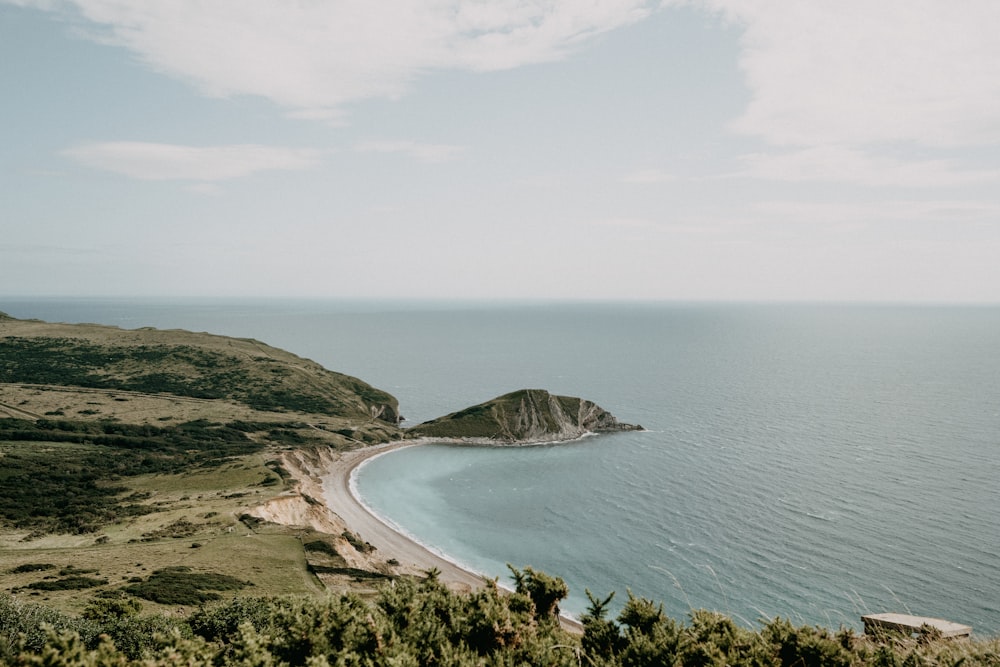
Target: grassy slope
[
  {"x": 183, "y": 364},
  {"x": 504, "y": 418},
  {"x": 94, "y": 379}
]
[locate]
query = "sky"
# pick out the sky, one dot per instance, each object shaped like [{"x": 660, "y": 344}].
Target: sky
[{"x": 697, "y": 150}]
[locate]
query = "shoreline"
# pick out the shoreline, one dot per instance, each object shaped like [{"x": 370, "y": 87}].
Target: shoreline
[{"x": 341, "y": 497}]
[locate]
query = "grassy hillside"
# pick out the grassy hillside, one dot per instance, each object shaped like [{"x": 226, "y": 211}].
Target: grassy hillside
[
  {"x": 131, "y": 462},
  {"x": 527, "y": 415},
  {"x": 134, "y": 469},
  {"x": 183, "y": 364}
]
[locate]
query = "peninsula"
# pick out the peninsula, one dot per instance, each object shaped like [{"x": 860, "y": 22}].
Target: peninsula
[
  {"x": 184, "y": 449},
  {"x": 161, "y": 471}
]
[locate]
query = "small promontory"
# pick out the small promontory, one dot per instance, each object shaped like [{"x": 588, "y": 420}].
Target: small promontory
[{"x": 527, "y": 416}]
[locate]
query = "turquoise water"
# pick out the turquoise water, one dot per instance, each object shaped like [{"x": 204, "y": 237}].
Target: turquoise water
[{"x": 812, "y": 462}]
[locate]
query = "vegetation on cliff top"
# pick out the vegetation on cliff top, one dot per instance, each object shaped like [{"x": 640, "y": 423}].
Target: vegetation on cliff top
[
  {"x": 166, "y": 495},
  {"x": 183, "y": 364},
  {"x": 527, "y": 415},
  {"x": 415, "y": 623}
]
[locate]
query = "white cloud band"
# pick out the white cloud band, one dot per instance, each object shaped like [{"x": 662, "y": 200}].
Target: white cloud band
[
  {"x": 858, "y": 72},
  {"x": 163, "y": 162},
  {"x": 314, "y": 57}
]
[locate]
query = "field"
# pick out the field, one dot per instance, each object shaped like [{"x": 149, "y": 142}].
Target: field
[{"x": 112, "y": 483}]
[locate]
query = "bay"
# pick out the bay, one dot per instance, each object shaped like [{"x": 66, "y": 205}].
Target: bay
[{"x": 810, "y": 461}]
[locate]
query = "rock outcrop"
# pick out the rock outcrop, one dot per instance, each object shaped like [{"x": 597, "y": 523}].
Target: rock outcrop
[{"x": 527, "y": 416}]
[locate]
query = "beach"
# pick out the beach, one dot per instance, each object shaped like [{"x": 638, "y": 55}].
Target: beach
[
  {"x": 388, "y": 542},
  {"x": 413, "y": 557}
]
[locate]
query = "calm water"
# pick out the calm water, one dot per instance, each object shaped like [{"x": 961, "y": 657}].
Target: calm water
[{"x": 812, "y": 462}]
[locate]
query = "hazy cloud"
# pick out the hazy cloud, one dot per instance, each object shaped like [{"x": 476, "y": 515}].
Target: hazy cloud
[
  {"x": 429, "y": 153},
  {"x": 842, "y": 164},
  {"x": 314, "y": 57},
  {"x": 858, "y": 72},
  {"x": 830, "y": 215},
  {"x": 163, "y": 162},
  {"x": 648, "y": 176}
]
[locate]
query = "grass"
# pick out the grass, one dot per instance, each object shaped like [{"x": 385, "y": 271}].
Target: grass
[
  {"x": 66, "y": 476},
  {"x": 498, "y": 417},
  {"x": 181, "y": 364},
  {"x": 193, "y": 506},
  {"x": 180, "y": 585},
  {"x": 103, "y": 485}
]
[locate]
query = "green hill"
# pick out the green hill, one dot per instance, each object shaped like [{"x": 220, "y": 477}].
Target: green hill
[
  {"x": 525, "y": 416},
  {"x": 182, "y": 363},
  {"x": 134, "y": 466}
]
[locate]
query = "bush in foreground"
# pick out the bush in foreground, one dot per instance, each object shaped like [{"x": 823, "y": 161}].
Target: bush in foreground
[{"x": 422, "y": 623}]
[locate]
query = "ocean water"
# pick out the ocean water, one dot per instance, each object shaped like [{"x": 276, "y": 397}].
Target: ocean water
[{"x": 814, "y": 462}]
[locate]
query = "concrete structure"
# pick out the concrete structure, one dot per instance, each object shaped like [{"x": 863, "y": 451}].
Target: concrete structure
[{"x": 913, "y": 625}]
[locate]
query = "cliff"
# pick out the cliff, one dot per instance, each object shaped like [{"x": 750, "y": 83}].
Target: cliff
[
  {"x": 246, "y": 375},
  {"x": 524, "y": 417},
  {"x": 185, "y": 364}
]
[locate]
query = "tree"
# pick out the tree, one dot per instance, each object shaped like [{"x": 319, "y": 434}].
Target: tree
[{"x": 545, "y": 591}]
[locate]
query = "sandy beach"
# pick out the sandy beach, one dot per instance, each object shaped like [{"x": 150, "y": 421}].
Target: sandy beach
[
  {"x": 387, "y": 541},
  {"x": 390, "y": 543}
]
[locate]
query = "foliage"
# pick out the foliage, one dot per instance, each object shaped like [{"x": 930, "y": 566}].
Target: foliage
[
  {"x": 413, "y": 623},
  {"x": 506, "y": 417},
  {"x": 359, "y": 545},
  {"x": 44, "y": 636},
  {"x": 261, "y": 382},
  {"x": 180, "y": 585},
  {"x": 59, "y": 476},
  {"x": 70, "y": 583},
  {"x": 544, "y": 591},
  {"x": 319, "y": 546},
  {"x": 32, "y": 567},
  {"x": 30, "y": 622},
  {"x": 112, "y": 605}
]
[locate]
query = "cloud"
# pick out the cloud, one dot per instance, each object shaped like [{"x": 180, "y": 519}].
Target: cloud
[
  {"x": 848, "y": 216},
  {"x": 165, "y": 162},
  {"x": 625, "y": 223},
  {"x": 649, "y": 177},
  {"x": 847, "y": 165},
  {"x": 860, "y": 72},
  {"x": 428, "y": 153},
  {"x": 314, "y": 57}
]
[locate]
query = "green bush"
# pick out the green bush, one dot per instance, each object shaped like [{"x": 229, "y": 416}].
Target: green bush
[
  {"x": 71, "y": 583},
  {"x": 180, "y": 585},
  {"x": 32, "y": 567},
  {"x": 70, "y": 486},
  {"x": 412, "y": 623},
  {"x": 23, "y": 627},
  {"x": 319, "y": 546}
]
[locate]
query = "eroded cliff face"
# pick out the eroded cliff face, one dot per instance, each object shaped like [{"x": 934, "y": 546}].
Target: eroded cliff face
[
  {"x": 304, "y": 505},
  {"x": 524, "y": 417}
]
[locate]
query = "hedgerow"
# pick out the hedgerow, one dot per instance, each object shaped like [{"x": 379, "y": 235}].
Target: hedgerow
[{"x": 413, "y": 623}]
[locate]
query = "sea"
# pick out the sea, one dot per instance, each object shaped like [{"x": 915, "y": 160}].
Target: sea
[{"x": 815, "y": 462}]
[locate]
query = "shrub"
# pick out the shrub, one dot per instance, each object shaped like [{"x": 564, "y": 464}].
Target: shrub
[
  {"x": 180, "y": 585},
  {"x": 320, "y": 546},
  {"x": 71, "y": 583},
  {"x": 29, "y": 622},
  {"x": 32, "y": 567}
]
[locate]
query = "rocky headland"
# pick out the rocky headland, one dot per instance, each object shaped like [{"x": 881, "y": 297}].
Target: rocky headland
[
  {"x": 527, "y": 416},
  {"x": 183, "y": 448}
]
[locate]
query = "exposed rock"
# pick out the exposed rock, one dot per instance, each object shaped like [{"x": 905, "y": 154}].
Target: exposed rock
[{"x": 524, "y": 417}]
